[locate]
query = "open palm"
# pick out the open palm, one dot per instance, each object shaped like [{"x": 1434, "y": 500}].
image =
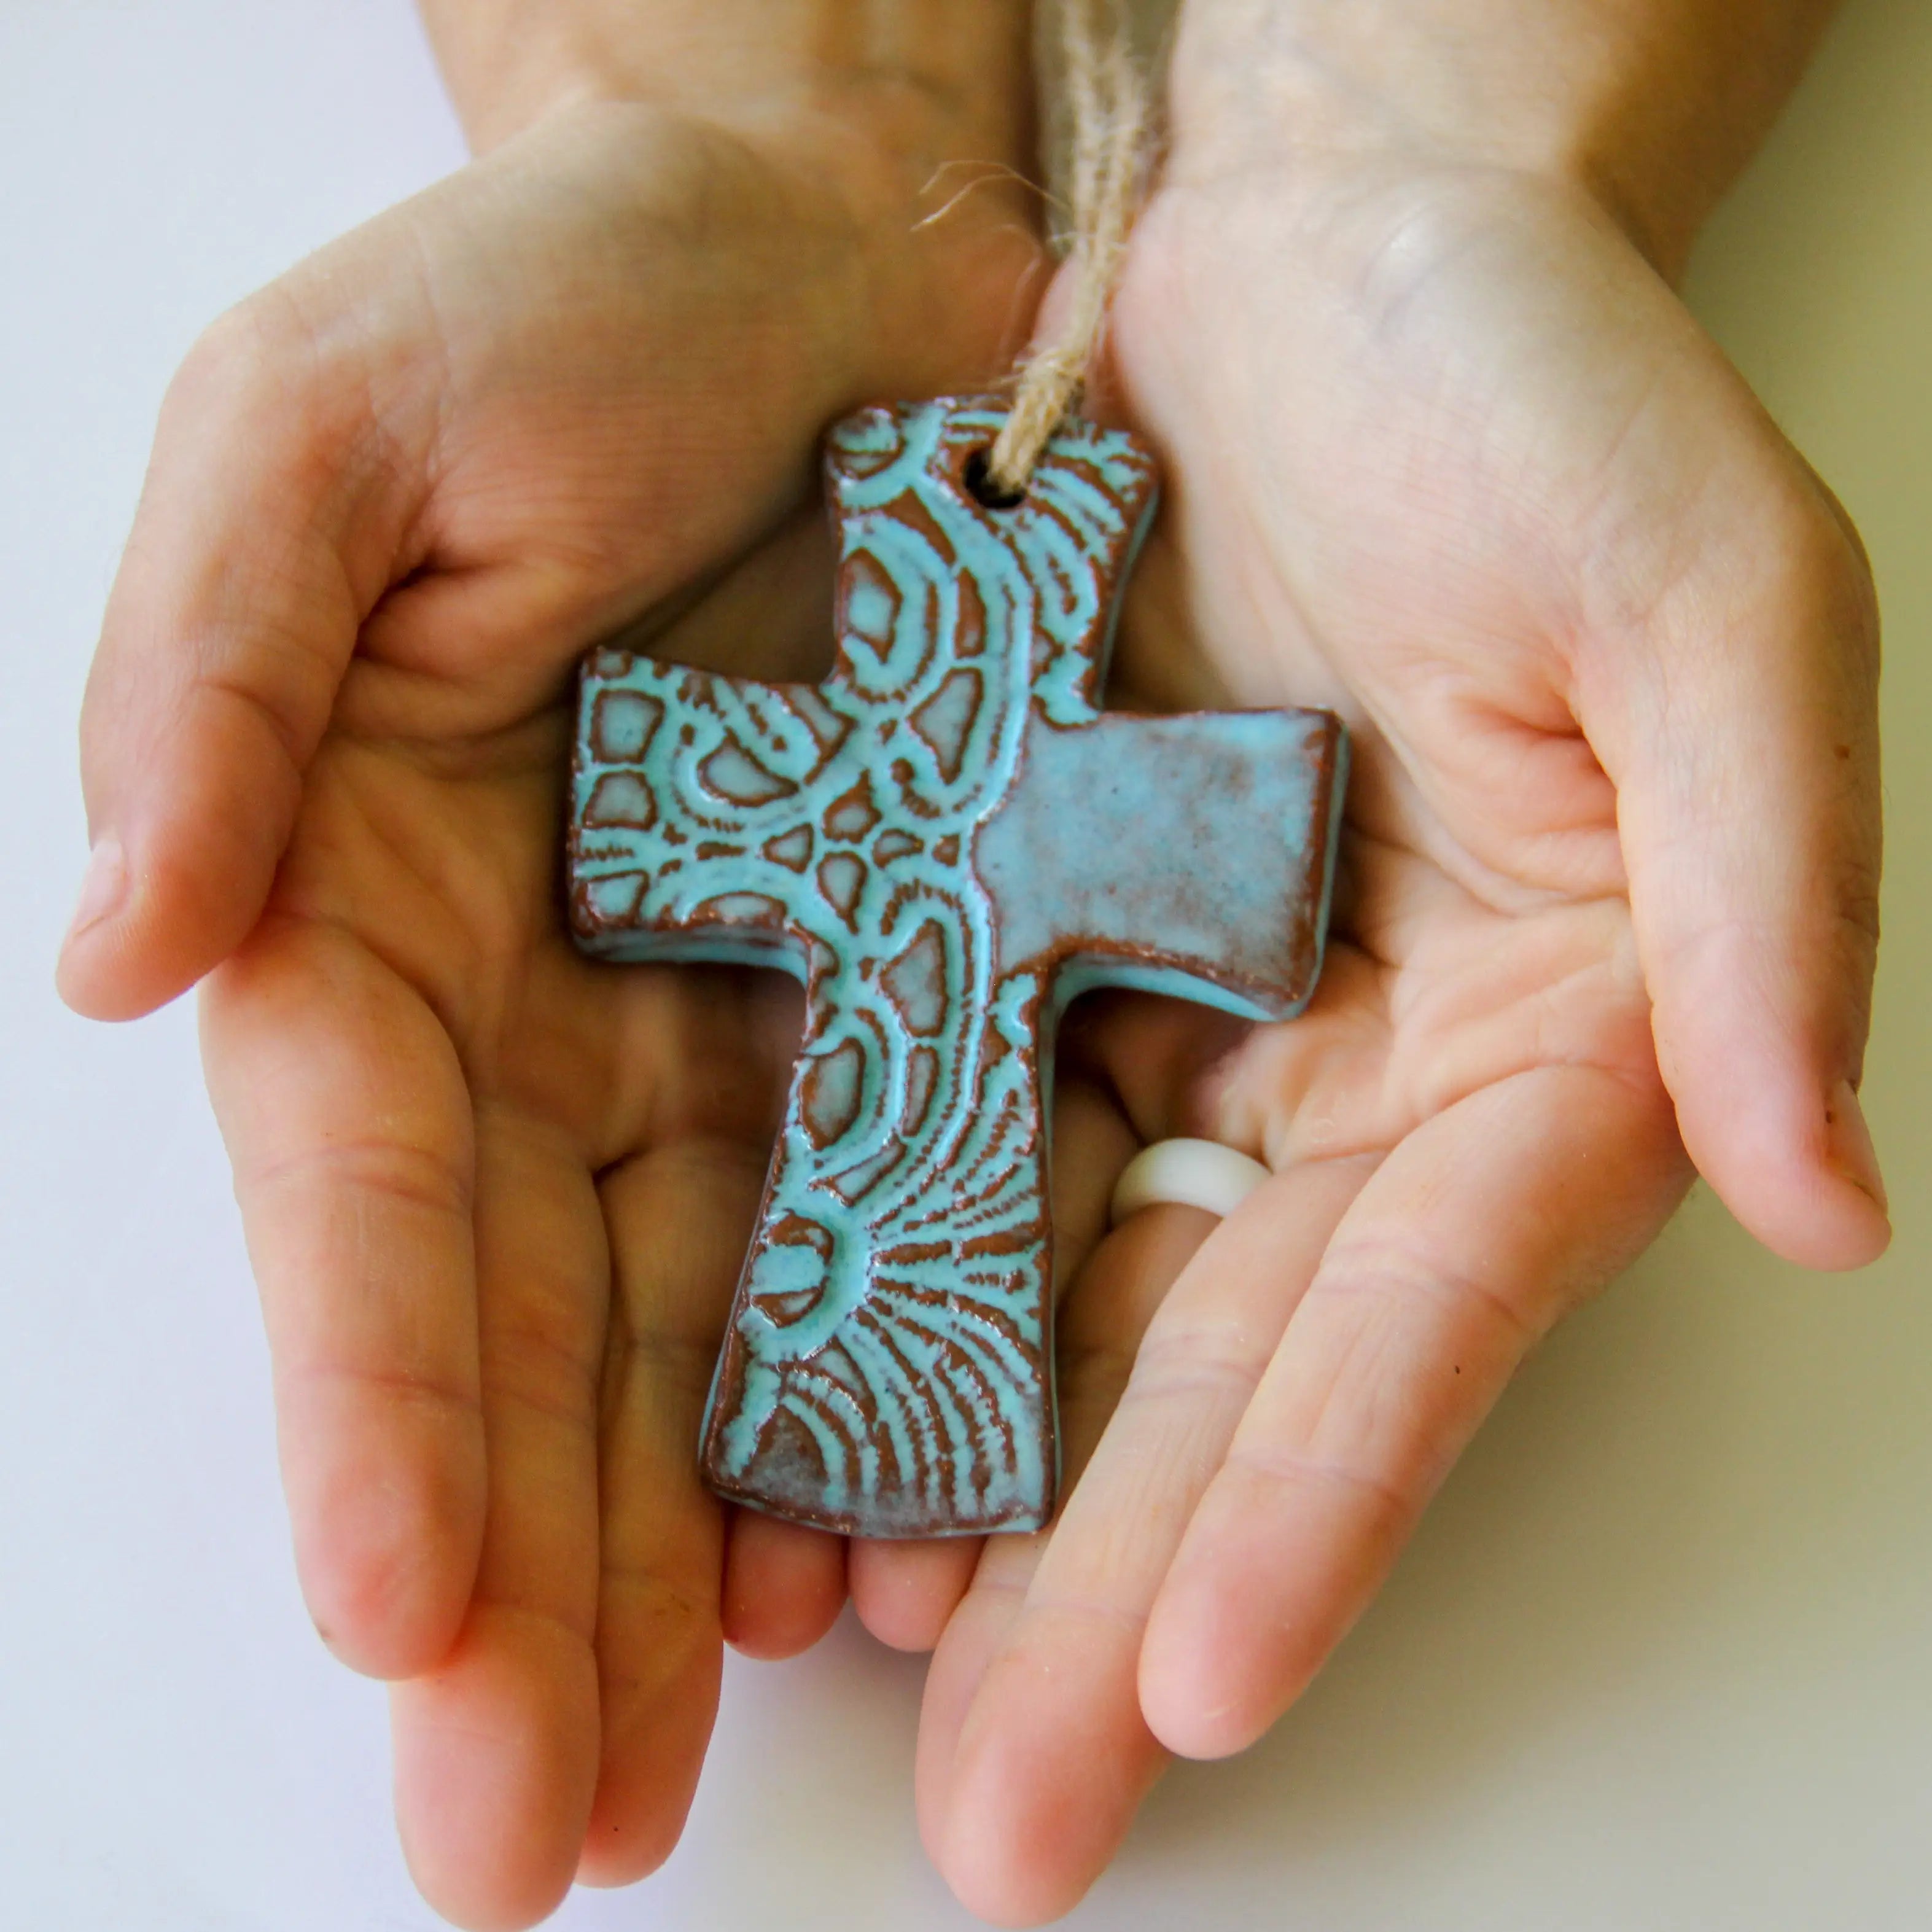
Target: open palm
[{"x": 1442, "y": 452}]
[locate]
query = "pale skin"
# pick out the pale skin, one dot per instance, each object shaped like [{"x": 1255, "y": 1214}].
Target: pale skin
[{"x": 1443, "y": 451}]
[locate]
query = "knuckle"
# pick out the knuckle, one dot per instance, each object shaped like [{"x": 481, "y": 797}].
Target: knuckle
[
  {"x": 1852, "y": 954},
  {"x": 1856, "y": 902},
  {"x": 536, "y": 1361},
  {"x": 1778, "y": 571},
  {"x": 1199, "y": 1363},
  {"x": 1279, "y": 1466},
  {"x": 254, "y": 354},
  {"x": 1820, "y": 574},
  {"x": 1388, "y": 1271},
  {"x": 386, "y": 1174},
  {"x": 649, "y": 1602},
  {"x": 1095, "y": 1368},
  {"x": 264, "y": 377},
  {"x": 1858, "y": 922},
  {"x": 1381, "y": 1295},
  {"x": 676, "y": 1366}
]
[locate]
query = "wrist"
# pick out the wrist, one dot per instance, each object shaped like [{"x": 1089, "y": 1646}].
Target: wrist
[
  {"x": 935, "y": 80},
  {"x": 1648, "y": 107},
  {"x": 874, "y": 119}
]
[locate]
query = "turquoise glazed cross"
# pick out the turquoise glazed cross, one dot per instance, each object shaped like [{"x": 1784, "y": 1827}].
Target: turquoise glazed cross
[{"x": 947, "y": 841}]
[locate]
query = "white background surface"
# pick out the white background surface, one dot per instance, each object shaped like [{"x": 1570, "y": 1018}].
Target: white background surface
[{"x": 1662, "y": 1658}]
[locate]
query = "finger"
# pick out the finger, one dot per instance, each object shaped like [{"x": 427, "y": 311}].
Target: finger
[
  {"x": 905, "y": 1592},
  {"x": 1472, "y": 1238},
  {"x": 679, "y": 1217},
  {"x": 785, "y": 1585},
  {"x": 1054, "y": 1755},
  {"x": 496, "y": 1750},
  {"x": 349, "y": 1124},
  {"x": 1744, "y": 740},
  {"x": 266, "y": 531},
  {"x": 963, "y": 1761}
]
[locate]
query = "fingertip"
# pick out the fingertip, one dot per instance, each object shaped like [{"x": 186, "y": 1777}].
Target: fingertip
[
  {"x": 1801, "y": 1176},
  {"x": 989, "y": 1858},
  {"x": 651, "y": 1758},
  {"x": 1050, "y": 1762},
  {"x": 92, "y": 974},
  {"x": 93, "y": 981},
  {"x": 1273, "y": 1571},
  {"x": 103, "y": 892},
  {"x": 904, "y": 1593},
  {"x": 162, "y": 908},
  {"x": 384, "y": 1617},
  {"x": 785, "y": 1585},
  {"x": 660, "y": 1661},
  {"x": 1041, "y": 1796},
  {"x": 1825, "y": 1222},
  {"x": 1849, "y": 1149},
  {"x": 1752, "y": 1055},
  {"x": 618, "y": 1852},
  {"x": 996, "y": 1900},
  {"x": 1203, "y": 1734},
  {"x": 387, "y": 1553},
  {"x": 649, "y": 1772},
  {"x": 1186, "y": 1697},
  {"x": 496, "y": 1757},
  {"x": 966, "y": 1651}
]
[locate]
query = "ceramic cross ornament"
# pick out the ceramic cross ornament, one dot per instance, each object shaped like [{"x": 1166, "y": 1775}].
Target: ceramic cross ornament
[{"x": 947, "y": 841}]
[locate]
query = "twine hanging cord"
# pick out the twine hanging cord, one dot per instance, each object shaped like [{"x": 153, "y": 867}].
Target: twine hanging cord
[{"x": 1107, "y": 96}]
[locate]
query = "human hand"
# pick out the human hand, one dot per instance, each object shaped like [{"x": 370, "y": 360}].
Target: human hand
[
  {"x": 495, "y": 1196},
  {"x": 1442, "y": 451}
]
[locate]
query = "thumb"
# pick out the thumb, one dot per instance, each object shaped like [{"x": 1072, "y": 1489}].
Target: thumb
[
  {"x": 266, "y": 530},
  {"x": 1745, "y": 749}
]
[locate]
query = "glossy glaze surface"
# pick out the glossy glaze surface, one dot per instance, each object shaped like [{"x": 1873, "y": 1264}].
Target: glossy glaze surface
[{"x": 946, "y": 841}]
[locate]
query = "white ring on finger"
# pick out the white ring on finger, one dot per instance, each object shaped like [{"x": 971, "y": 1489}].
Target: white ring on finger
[{"x": 1187, "y": 1174}]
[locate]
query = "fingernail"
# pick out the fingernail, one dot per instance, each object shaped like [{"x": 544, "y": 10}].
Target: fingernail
[
  {"x": 102, "y": 887},
  {"x": 1848, "y": 1144}
]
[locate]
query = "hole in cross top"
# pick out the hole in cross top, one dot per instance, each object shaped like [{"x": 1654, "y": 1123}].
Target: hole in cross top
[{"x": 980, "y": 482}]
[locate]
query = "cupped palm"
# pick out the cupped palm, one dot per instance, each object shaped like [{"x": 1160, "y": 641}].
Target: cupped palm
[
  {"x": 1444, "y": 452},
  {"x": 496, "y": 1195}
]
